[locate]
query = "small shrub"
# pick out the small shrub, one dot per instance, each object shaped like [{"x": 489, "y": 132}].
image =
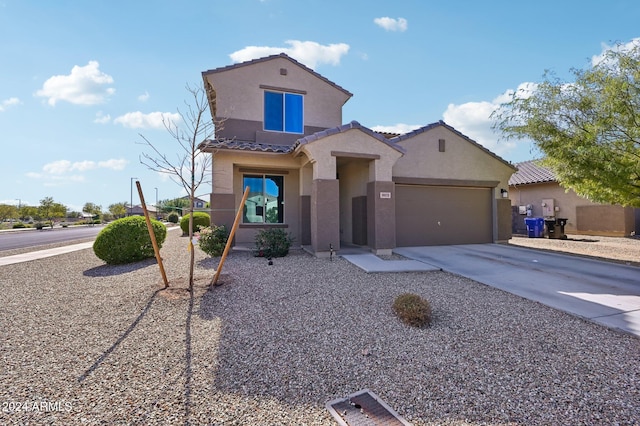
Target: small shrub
[
  {"x": 127, "y": 240},
  {"x": 173, "y": 217},
  {"x": 212, "y": 240},
  {"x": 200, "y": 220},
  {"x": 19, "y": 225},
  {"x": 412, "y": 309},
  {"x": 273, "y": 242},
  {"x": 39, "y": 225}
]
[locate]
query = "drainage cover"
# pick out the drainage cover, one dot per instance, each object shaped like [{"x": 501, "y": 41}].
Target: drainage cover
[{"x": 364, "y": 408}]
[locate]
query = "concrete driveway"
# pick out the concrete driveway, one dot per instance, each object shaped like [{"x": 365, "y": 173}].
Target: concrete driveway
[{"x": 604, "y": 292}]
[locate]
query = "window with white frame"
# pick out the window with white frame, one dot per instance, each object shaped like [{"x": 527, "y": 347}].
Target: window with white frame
[
  {"x": 283, "y": 112},
  {"x": 265, "y": 202}
]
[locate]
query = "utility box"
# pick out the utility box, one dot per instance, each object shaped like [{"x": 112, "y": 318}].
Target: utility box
[
  {"x": 535, "y": 227},
  {"x": 548, "y": 208}
]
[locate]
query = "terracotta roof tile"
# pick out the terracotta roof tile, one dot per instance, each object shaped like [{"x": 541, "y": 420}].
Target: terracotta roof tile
[
  {"x": 345, "y": 127},
  {"x": 531, "y": 172},
  {"x": 234, "y": 144}
]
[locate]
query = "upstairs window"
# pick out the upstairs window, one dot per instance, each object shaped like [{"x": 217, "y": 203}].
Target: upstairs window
[{"x": 283, "y": 112}]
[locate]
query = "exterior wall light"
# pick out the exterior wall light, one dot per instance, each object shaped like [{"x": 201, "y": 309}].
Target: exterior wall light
[{"x": 504, "y": 192}]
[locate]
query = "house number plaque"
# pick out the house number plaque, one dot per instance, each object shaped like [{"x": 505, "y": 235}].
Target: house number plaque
[{"x": 385, "y": 195}]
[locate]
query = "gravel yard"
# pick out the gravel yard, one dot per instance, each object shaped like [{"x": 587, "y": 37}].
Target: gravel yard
[
  {"x": 87, "y": 343},
  {"x": 619, "y": 249}
]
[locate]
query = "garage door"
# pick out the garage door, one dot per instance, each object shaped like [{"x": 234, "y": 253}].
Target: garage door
[{"x": 441, "y": 215}]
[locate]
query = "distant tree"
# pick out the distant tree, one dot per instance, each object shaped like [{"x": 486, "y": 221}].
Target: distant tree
[
  {"x": 51, "y": 210},
  {"x": 118, "y": 210},
  {"x": 588, "y": 129},
  {"x": 27, "y": 212},
  {"x": 7, "y": 211},
  {"x": 174, "y": 205},
  {"x": 191, "y": 167},
  {"x": 92, "y": 209}
]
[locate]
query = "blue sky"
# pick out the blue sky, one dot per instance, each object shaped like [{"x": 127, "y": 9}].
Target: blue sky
[{"x": 81, "y": 80}]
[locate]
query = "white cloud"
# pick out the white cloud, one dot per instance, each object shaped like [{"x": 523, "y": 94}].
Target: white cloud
[
  {"x": 392, "y": 24},
  {"x": 61, "y": 167},
  {"x": 473, "y": 119},
  {"x": 400, "y": 128},
  {"x": 8, "y": 103},
  {"x": 626, "y": 47},
  {"x": 144, "y": 97},
  {"x": 113, "y": 164},
  {"x": 153, "y": 120},
  {"x": 102, "y": 118},
  {"x": 57, "y": 167},
  {"x": 309, "y": 53},
  {"x": 84, "y": 86}
]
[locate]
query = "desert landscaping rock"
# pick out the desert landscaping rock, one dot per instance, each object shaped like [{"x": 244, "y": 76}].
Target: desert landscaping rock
[{"x": 273, "y": 344}]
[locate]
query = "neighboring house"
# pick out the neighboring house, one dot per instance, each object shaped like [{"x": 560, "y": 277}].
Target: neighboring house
[
  {"x": 280, "y": 133},
  {"x": 535, "y": 192},
  {"x": 138, "y": 211},
  {"x": 198, "y": 203}
]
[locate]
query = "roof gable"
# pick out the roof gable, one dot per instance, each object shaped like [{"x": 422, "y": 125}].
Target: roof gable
[
  {"x": 344, "y": 128},
  {"x": 272, "y": 57},
  {"x": 431, "y": 126}
]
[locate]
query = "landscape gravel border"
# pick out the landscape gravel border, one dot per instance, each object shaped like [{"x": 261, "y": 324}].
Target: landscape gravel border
[{"x": 94, "y": 344}]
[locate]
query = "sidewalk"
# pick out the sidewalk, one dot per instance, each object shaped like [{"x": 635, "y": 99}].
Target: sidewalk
[{"x": 40, "y": 254}]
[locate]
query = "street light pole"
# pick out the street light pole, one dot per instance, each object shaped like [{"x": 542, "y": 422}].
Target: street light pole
[{"x": 131, "y": 193}]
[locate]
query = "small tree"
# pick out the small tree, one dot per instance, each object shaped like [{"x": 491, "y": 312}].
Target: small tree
[
  {"x": 7, "y": 211},
  {"x": 192, "y": 167},
  {"x": 50, "y": 210},
  {"x": 118, "y": 210},
  {"x": 175, "y": 205},
  {"x": 589, "y": 129}
]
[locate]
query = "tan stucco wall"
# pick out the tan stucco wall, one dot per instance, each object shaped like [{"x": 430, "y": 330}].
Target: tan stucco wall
[
  {"x": 535, "y": 193},
  {"x": 353, "y": 183},
  {"x": 230, "y": 166},
  {"x": 239, "y": 96},
  {"x": 352, "y": 141},
  {"x": 461, "y": 160},
  {"x": 594, "y": 218}
]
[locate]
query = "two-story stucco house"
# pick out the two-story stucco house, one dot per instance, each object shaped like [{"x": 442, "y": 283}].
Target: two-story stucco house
[{"x": 330, "y": 183}]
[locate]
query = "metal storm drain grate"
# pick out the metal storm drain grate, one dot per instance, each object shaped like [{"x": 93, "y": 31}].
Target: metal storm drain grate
[{"x": 364, "y": 408}]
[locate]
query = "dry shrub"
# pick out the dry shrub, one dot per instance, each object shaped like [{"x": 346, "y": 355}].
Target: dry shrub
[{"x": 412, "y": 309}]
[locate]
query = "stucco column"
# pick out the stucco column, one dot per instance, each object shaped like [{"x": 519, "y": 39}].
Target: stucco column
[
  {"x": 325, "y": 215},
  {"x": 223, "y": 209},
  {"x": 381, "y": 217}
]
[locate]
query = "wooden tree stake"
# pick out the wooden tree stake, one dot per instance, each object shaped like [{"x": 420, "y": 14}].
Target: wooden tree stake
[
  {"x": 236, "y": 222},
  {"x": 152, "y": 234}
]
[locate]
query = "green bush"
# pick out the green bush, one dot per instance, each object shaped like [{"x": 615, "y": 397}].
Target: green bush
[
  {"x": 127, "y": 240},
  {"x": 412, "y": 309},
  {"x": 200, "y": 220},
  {"x": 273, "y": 242},
  {"x": 173, "y": 217},
  {"x": 212, "y": 240},
  {"x": 19, "y": 225}
]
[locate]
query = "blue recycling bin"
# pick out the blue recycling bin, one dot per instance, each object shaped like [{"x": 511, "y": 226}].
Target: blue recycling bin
[{"x": 535, "y": 227}]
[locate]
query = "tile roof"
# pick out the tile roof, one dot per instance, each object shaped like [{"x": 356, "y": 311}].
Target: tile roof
[
  {"x": 345, "y": 127},
  {"x": 234, "y": 144},
  {"x": 463, "y": 136},
  {"x": 531, "y": 172},
  {"x": 271, "y": 57}
]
